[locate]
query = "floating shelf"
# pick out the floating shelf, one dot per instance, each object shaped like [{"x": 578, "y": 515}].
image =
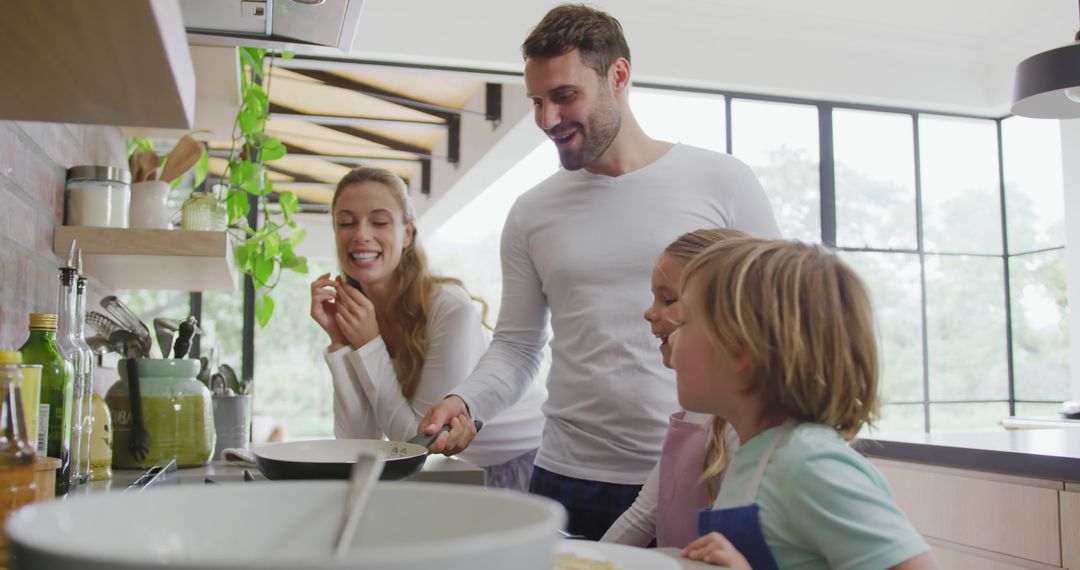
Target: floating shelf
[{"x": 180, "y": 260}]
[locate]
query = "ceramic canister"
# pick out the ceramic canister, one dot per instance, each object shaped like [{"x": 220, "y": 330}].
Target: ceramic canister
[{"x": 177, "y": 413}]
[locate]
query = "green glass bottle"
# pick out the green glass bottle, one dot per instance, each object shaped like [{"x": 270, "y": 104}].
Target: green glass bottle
[{"x": 57, "y": 392}]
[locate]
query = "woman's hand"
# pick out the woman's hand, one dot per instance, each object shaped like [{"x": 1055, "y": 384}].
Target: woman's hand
[
  {"x": 324, "y": 309},
  {"x": 714, "y": 548},
  {"x": 355, "y": 315}
]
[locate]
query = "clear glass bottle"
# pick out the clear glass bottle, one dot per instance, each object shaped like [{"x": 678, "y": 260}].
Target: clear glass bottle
[
  {"x": 57, "y": 388},
  {"x": 17, "y": 487},
  {"x": 101, "y": 440},
  {"x": 69, "y": 349},
  {"x": 86, "y": 418}
]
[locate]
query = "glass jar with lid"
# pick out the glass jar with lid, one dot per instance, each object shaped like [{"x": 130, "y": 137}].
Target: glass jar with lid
[{"x": 97, "y": 196}]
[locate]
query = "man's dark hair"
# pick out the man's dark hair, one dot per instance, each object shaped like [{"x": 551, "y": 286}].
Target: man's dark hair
[{"x": 595, "y": 34}]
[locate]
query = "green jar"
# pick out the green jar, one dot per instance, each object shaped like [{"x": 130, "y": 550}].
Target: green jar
[{"x": 176, "y": 409}]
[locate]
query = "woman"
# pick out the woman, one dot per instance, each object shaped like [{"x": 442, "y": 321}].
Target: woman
[{"x": 401, "y": 338}]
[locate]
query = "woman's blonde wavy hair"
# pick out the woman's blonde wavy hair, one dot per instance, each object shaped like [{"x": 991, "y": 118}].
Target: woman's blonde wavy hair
[
  {"x": 683, "y": 249},
  {"x": 803, "y": 318},
  {"x": 415, "y": 285}
]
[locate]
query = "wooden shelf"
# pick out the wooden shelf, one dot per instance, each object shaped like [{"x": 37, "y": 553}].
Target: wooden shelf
[
  {"x": 114, "y": 62},
  {"x": 179, "y": 260}
]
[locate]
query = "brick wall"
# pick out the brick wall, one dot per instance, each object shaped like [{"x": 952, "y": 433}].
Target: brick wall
[{"x": 34, "y": 158}]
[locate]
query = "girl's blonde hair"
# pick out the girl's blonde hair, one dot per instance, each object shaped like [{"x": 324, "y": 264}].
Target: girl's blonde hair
[
  {"x": 803, "y": 318},
  {"x": 684, "y": 249},
  {"x": 415, "y": 285}
]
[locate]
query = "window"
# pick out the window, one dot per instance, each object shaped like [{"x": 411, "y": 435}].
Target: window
[{"x": 780, "y": 142}]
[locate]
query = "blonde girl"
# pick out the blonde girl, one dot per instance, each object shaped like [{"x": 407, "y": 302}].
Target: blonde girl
[
  {"x": 696, "y": 446},
  {"x": 777, "y": 338},
  {"x": 402, "y": 338}
]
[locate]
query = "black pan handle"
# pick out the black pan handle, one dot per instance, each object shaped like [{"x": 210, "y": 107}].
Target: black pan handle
[{"x": 425, "y": 440}]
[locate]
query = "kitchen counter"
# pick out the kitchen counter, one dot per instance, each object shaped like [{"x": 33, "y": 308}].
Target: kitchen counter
[
  {"x": 437, "y": 469},
  {"x": 1044, "y": 453}
]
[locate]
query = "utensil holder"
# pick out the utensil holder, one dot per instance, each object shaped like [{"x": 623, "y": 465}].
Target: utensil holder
[
  {"x": 148, "y": 205},
  {"x": 232, "y": 421}
]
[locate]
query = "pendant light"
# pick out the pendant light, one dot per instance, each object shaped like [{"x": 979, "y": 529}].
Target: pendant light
[{"x": 1048, "y": 84}]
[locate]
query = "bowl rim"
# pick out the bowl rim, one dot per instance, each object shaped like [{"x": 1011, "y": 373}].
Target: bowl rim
[{"x": 550, "y": 510}]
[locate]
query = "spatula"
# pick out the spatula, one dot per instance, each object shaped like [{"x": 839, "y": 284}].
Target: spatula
[{"x": 365, "y": 473}]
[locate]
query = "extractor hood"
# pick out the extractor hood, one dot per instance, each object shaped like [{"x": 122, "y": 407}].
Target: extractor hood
[{"x": 296, "y": 25}]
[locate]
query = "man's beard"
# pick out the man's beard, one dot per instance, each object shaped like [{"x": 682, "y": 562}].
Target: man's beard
[{"x": 601, "y": 128}]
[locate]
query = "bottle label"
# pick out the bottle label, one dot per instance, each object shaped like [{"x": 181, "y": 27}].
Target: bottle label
[{"x": 43, "y": 430}]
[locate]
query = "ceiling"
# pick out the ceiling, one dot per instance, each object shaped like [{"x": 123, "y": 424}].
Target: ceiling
[
  {"x": 332, "y": 121},
  {"x": 954, "y": 55},
  {"x": 333, "y": 113}
]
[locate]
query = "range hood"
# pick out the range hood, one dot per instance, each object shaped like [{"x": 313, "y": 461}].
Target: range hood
[{"x": 296, "y": 25}]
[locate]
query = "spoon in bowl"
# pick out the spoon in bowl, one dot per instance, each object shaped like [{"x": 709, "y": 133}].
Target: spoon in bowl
[{"x": 365, "y": 473}]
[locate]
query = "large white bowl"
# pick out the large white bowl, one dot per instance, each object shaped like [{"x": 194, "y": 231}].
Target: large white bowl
[{"x": 406, "y": 526}]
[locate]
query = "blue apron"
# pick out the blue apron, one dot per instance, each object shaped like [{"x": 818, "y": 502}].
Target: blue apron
[{"x": 742, "y": 525}]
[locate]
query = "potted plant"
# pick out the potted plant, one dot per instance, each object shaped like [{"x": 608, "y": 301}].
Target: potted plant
[{"x": 266, "y": 241}]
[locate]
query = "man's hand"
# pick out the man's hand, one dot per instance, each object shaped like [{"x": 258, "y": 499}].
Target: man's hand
[
  {"x": 714, "y": 548},
  {"x": 451, "y": 410}
]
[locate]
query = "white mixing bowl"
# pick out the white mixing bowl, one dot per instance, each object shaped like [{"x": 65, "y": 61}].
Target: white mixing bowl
[{"x": 289, "y": 525}]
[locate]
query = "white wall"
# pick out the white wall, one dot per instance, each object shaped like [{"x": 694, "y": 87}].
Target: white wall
[{"x": 1070, "y": 147}]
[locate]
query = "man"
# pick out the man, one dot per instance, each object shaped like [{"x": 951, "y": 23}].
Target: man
[{"x": 582, "y": 244}]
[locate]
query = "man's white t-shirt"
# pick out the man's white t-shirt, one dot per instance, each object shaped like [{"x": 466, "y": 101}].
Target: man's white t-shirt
[{"x": 580, "y": 248}]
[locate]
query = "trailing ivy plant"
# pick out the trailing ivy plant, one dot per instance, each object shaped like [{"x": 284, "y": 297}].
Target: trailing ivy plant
[{"x": 266, "y": 249}]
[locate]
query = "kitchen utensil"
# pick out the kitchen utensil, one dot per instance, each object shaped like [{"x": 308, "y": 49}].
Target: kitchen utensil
[
  {"x": 148, "y": 165},
  {"x": 290, "y": 525},
  {"x": 333, "y": 458},
  {"x": 129, "y": 320},
  {"x": 218, "y": 385},
  {"x": 139, "y": 440},
  {"x": 365, "y": 472},
  {"x": 164, "y": 329},
  {"x": 231, "y": 380},
  {"x": 184, "y": 333},
  {"x": 98, "y": 343},
  {"x": 103, "y": 324},
  {"x": 182, "y": 157}
]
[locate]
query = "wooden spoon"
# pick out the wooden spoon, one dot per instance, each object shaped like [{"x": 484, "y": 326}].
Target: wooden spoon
[
  {"x": 148, "y": 165},
  {"x": 183, "y": 156}
]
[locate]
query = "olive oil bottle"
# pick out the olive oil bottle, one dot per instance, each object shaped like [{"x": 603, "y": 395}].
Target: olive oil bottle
[{"x": 57, "y": 391}]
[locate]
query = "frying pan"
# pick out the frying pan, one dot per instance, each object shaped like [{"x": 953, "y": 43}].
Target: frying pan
[{"x": 334, "y": 458}]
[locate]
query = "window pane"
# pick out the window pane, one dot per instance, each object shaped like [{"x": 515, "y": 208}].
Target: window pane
[
  {"x": 965, "y": 311},
  {"x": 968, "y": 417},
  {"x": 292, "y": 382},
  {"x": 1040, "y": 325},
  {"x": 898, "y": 418},
  {"x": 1034, "y": 197},
  {"x": 688, "y": 118},
  {"x": 149, "y": 305},
  {"x": 780, "y": 142},
  {"x": 960, "y": 185},
  {"x": 874, "y": 156},
  {"x": 893, "y": 280},
  {"x": 1032, "y": 410},
  {"x": 223, "y": 325}
]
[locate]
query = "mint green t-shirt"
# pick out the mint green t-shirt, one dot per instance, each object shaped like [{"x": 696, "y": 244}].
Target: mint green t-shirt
[{"x": 821, "y": 504}]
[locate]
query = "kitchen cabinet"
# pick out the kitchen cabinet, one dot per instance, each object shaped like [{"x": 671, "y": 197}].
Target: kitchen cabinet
[
  {"x": 1070, "y": 528},
  {"x": 1012, "y": 516},
  {"x": 106, "y": 62},
  {"x": 180, "y": 260}
]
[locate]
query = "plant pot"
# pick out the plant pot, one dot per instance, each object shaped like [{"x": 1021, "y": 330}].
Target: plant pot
[{"x": 176, "y": 409}]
